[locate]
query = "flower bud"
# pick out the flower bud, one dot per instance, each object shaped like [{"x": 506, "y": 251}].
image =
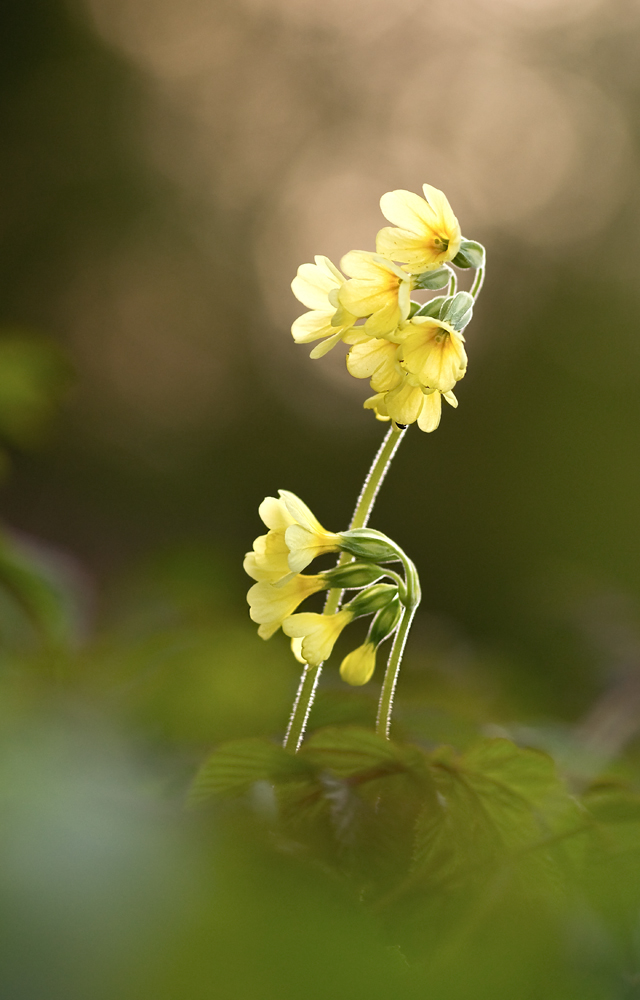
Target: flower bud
[
  {"x": 353, "y": 575},
  {"x": 470, "y": 254},
  {"x": 372, "y": 599},
  {"x": 385, "y": 622},
  {"x": 369, "y": 544}
]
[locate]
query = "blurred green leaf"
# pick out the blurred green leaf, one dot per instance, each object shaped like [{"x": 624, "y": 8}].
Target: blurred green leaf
[
  {"x": 493, "y": 802},
  {"x": 349, "y": 751},
  {"x": 42, "y": 587},
  {"x": 234, "y": 767},
  {"x": 34, "y": 374}
]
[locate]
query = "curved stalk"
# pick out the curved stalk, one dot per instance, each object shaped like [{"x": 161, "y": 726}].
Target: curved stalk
[
  {"x": 311, "y": 675},
  {"x": 477, "y": 282},
  {"x": 385, "y": 705}
]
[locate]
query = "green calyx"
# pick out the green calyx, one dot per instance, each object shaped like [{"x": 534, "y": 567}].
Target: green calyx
[
  {"x": 353, "y": 575},
  {"x": 385, "y": 622},
  {"x": 369, "y": 544},
  {"x": 372, "y": 599},
  {"x": 470, "y": 254}
]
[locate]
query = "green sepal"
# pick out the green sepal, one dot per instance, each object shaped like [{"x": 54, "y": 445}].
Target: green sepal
[
  {"x": 457, "y": 310},
  {"x": 353, "y": 575},
  {"x": 432, "y": 308},
  {"x": 433, "y": 279},
  {"x": 470, "y": 254},
  {"x": 385, "y": 622},
  {"x": 414, "y": 307},
  {"x": 369, "y": 544},
  {"x": 372, "y": 599}
]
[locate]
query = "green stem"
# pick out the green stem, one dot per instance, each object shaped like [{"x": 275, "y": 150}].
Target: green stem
[
  {"x": 478, "y": 282},
  {"x": 385, "y": 705},
  {"x": 311, "y": 675},
  {"x": 301, "y": 707},
  {"x": 453, "y": 284}
]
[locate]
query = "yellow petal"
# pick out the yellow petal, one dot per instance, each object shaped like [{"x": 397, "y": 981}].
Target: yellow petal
[
  {"x": 274, "y": 514},
  {"x": 312, "y": 285},
  {"x": 318, "y": 633},
  {"x": 375, "y": 359},
  {"x": 430, "y": 413},
  {"x": 404, "y": 403}
]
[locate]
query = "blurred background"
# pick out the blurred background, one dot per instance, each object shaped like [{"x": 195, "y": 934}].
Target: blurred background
[{"x": 165, "y": 167}]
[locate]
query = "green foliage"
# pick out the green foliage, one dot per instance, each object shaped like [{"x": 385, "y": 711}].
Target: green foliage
[
  {"x": 470, "y": 254},
  {"x": 40, "y": 587},
  {"x": 34, "y": 374},
  {"x": 237, "y": 765},
  {"x": 433, "y": 279}
]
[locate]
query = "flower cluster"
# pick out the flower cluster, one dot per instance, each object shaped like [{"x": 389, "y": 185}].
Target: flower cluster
[
  {"x": 413, "y": 354},
  {"x": 294, "y": 539}
]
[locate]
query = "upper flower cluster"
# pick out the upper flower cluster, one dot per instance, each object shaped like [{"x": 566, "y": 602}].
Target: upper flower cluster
[{"x": 412, "y": 354}]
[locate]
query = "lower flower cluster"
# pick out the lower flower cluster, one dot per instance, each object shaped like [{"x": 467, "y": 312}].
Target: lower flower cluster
[{"x": 294, "y": 539}]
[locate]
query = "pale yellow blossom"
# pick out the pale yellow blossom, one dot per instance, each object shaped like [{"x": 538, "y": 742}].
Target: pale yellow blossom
[
  {"x": 428, "y": 232},
  {"x": 270, "y": 604},
  {"x": 378, "y": 289},
  {"x": 433, "y": 352},
  {"x": 316, "y": 286},
  {"x": 318, "y": 633}
]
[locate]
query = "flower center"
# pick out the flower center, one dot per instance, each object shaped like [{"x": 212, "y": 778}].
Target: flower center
[{"x": 441, "y": 244}]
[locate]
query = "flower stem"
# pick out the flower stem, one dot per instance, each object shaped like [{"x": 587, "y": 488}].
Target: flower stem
[
  {"x": 311, "y": 675},
  {"x": 385, "y": 705},
  {"x": 478, "y": 282}
]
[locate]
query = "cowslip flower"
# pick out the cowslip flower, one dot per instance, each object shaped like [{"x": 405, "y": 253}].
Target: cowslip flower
[
  {"x": 433, "y": 352},
  {"x": 377, "y": 289},
  {"x": 317, "y": 286},
  {"x": 318, "y": 633},
  {"x": 378, "y": 360},
  {"x": 409, "y": 403},
  {"x": 269, "y": 605},
  {"x": 428, "y": 232},
  {"x": 294, "y": 539}
]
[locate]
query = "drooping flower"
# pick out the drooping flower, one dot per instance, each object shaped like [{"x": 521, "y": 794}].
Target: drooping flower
[
  {"x": 428, "y": 232},
  {"x": 270, "y": 604},
  {"x": 378, "y": 289},
  {"x": 433, "y": 352},
  {"x": 376, "y": 359},
  {"x": 317, "y": 286},
  {"x": 318, "y": 633},
  {"x": 275, "y": 556},
  {"x": 407, "y": 403}
]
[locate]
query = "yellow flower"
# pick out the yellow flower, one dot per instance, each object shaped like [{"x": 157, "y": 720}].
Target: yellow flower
[
  {"x": 376, "y": 359},
  {"x": 316, "y": 286},
  {"x": 270, "y": 605},
  {"x": 357, "y": 668},
  {"x": 305, "y": 538},
  {"x": 408, "y": 404},
  {"x": 318, "y": 633},
  {"x": 429, "y": 233},
  {"x": 434, "y": 352},
  {"x": 378, "y": 289},
  {"x": 274, "y": 556}
]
